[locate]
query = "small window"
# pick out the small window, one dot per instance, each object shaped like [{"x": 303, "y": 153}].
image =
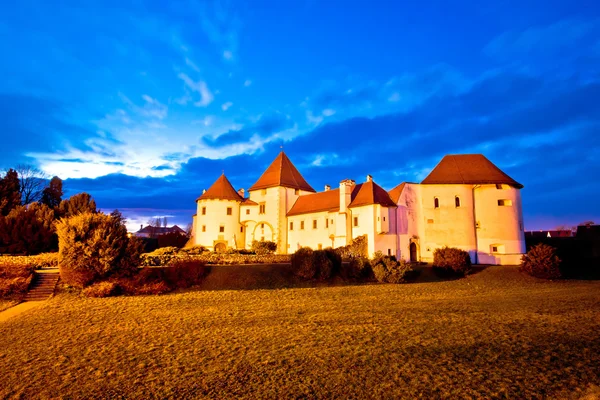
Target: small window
[
  {"x": 262, "y": 238},
  {"x": 355, "y": 221},
  {"x": 301, "y": 224},
  {"x": 263, "y": 192},
  {"x": 221, "y": 229},
  {"x": 383, "y": 219},
  {"x": 203, "y": 228},
  {"x": 203, "y": 210},
  {"x": 241, "y": 229},
  {"x": 262, "y": 226},
  {"x": 326, "y": 222},
  {"x": 261, "y": 208},
  {"x": 505, "y": 203},
  {"x": 457, "y": 201},
  {"x": 320, "y": 246},
  {"x": 378, "y": 219},
  {"x": 436, "y": 202},
  {"x": 296, "y": 192},
  {"x": 291, "y": 226},
  {"x": 229, "y": 211},
  {"x": 430, "y": 221},
  {"x": 314, "y": 224},
  {"x": 498, "y": 186},
  {"x": 389, "y": 252},
  {"x": 494, "y": 249},
  {"x": 332, "y": 221},
  {"x": 248, "y": 211}
]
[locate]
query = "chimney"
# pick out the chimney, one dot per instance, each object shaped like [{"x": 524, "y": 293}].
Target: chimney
[
  {"x": 203, "y": 191},
  {"x": 141, "y": 227},
  {"x": 369, "y": 178},
  {"x": 346, "y": 187},
  {"x": 241, "y": 192},
  {"x": 327, "y": 188}
]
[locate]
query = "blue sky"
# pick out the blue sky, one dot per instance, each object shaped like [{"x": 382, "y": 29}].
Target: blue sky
[{"x": 143, "y": 104}]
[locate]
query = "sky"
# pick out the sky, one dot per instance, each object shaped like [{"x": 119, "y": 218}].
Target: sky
[{"x": 144, "y": 104}]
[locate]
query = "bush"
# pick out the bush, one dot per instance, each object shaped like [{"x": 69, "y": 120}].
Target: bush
[
  {"x": 357, "y": 248},
  {"x": 102, "y": 289},
  {"x": 172, "y": 239},
  {"x": 263, "y": 247},
  {"x": 14, "y": 267},
  {"x": 356, "y": 268},
  {"x": 95, "y": 246},
  {"x": 452, "y": 261},
  {"x": 542, "y": 262},
  {"x": 194, "y": 250},
  {"x": 387, "y": 269},
  {"x": 302, "y": 263},
  {"x": 152, "y": 280},
  {"x": 28, "y": 230},
  {"x": 163, "y": 251},
  {"x": 14, "y": 286}
]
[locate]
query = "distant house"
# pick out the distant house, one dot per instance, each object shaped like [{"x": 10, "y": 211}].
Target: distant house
[
  {"x": 589, "y": 232},
  {"x": 549, "y": 234},
  {"x": 154, "y": 231}
]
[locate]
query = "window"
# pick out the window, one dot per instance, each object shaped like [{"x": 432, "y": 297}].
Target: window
[
  {"x": 229, "y": 211},
  {"x": 457, "y": 201},
  {"x": 505, "y": 203},
  {"x": 326, "y": 222},
  {"x": 291, "y": 226},
  {"x": 314, "y": 224},
  {"x": 203, "y": 228},
  {"x": 248, "y": 211},
  {"x": 241, "y": 229},
  {"x": 296, "y": 192},
  {"x": 430, "y": 221},
  {"x": 301, "y": 224},
  {"x": 263, "y": 192},
  {"x": 383, "y": 219},
  {"x": 203, "y": 210},
  {"x": 355, "y": 221},
  {"x": 320, "y": 246},
  {"x": 498, "y": 186},
  {"x": 221, "y": 229},
  {"x": 262, "y": 238},
  {"x": 262, "y": 226},
  {"x": 261, "y": 208},
  {"x": 332, "y": 221},
  {"x": 389, "y": 252},
  {"x": 494, "y": 249},
  {"x": 436, "y": 202},
  {"x": 497, "y": 248}
]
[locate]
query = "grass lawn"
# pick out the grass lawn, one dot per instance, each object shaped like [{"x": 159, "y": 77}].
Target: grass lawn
[
  {"x": 494, "y": 334},
  {"x": 4, "y": 304}
]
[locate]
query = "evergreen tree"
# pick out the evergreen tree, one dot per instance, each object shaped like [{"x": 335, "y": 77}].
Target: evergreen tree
[
  {"x": 77, "y": 204},
  {"x": 28, "y": 230},
  {"x": 10, "y": 195},
  {"x": 52, "y": 194}
]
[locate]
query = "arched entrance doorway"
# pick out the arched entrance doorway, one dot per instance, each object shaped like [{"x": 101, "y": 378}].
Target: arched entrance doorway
[
  {"x": 220, "y": 247},
  {"x": 413, "y": 252}
]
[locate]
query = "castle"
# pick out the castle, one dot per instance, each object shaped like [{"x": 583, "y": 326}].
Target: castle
[{"x": 465, "y": 202}]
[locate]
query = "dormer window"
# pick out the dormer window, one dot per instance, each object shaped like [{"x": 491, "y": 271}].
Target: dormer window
[
  {"x": 457, "y": 201},
  {"x": 297, "y": 192},
  {"x": 436, "y": 202}
]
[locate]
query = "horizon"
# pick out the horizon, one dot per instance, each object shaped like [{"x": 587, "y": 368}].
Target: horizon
[{"x": 143, "y": 106}]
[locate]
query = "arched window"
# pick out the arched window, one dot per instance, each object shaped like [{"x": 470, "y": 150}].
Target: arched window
[
  {"x": 457, "y": 201},
  {"x": 436, "y": 202}
]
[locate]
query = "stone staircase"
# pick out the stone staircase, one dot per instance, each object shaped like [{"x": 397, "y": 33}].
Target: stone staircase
[{"x": 42, "y": 286}]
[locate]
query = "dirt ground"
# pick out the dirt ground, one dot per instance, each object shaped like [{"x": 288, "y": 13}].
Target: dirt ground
[{"x": 494, "y": 334}]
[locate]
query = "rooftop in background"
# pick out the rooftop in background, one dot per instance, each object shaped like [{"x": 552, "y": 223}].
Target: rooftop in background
[
  {"x": 469, "y": 169},
  {"x": 282, "y": 172},
  {"x": 222, "y": 190},
  {"x": 149, "y": 231},
  {"x": 550, "y": 234}
]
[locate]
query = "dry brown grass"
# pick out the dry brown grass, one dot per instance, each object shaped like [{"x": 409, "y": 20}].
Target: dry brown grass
[
  {"x": 494, "y": 334},
  {"x": 6, "y": 304}
]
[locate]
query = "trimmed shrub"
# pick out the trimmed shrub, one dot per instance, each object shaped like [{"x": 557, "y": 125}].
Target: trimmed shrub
[
  {"x": 541, "y": 261},
  {"x": 322, "y": 264},
  {"x": 14, "y": 286},
  {"x": 102, "y": 289},
  {"x": 451, "y": 261},
  {"x": 263, "y": 247},
  {"x": 193, "y": 250},
  {"x": 356, "y": 268},
  {"x": 95, "y": 246},
  {"x": 165, "y": 251},
  {"x": 181, "y": 274},
  {"x": 302, "y": 263},
  {"x": 387, "y": 269}
]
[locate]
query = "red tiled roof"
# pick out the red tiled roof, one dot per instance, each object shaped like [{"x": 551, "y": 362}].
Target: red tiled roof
[
  {"x": 317, "y": 202},
  {"x": 469, "y": 169},
  {"x": 396, "y": 192},
  {"x": 160, "y": 230},
  {"x": 281, "y": 172},
  {"x": 221, "y": 190},
  {"x": 363, "y": 194},
  {"x": 248, "y": 202},
  {"x": 370, "y": 193}
]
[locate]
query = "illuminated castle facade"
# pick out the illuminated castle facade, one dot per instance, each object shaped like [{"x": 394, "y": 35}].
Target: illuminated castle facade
[{"x": 465, "y": 202}]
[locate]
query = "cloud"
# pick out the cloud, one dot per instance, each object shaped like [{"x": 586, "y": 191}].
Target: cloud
[
  {"x": 247, "y": 82},
  {"x": 261, "y": 131},
  {"x": 312, "y": 119},
  {"x": 153, "y": 108},
  {"x": 328, "y": 112},
  {"x": 228, "y": 55},
  {"x": 206, "y": 97},
  {"x": 225, "y": 106},
  {"x": 191, "y": 64}
]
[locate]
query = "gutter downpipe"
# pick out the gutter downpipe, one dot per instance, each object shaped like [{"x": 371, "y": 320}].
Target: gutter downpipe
[{"x": 475, "y": 226}]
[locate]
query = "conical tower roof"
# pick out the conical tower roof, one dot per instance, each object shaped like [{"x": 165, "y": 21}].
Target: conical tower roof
[
  {"x": 221, "y": 190},
  {"x": 282, "y": 172}
]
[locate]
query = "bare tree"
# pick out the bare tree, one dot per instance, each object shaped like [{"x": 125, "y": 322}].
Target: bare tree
[
  {"x": 32, "y": 183},
  {"x": 164, "y": 222},
  {"x": 154, "y": 224}
]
